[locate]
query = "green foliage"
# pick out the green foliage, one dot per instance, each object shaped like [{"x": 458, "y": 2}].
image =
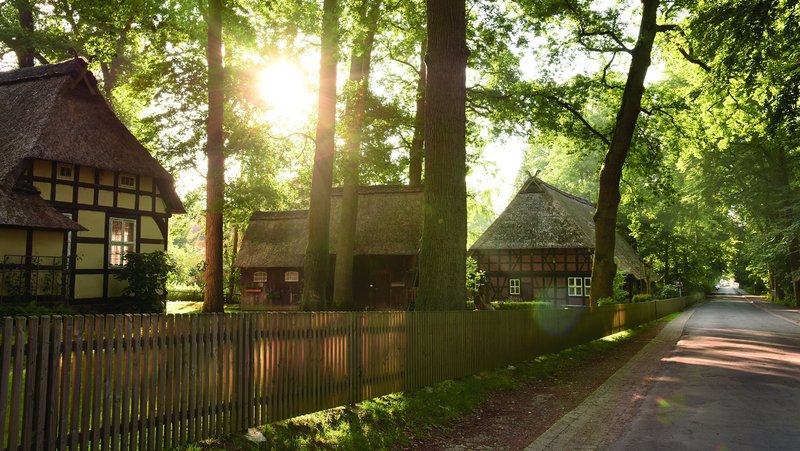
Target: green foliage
[
  {"x": 475, "y": 276},
  {"x": 642, "y": 298},
  {"x": 667, "y": 292},
  {"x": 34, "y": 309},
  {"x": 147, "y": 275},
  {"x": 620, "y": 294},
  {"x": 515, "y": 305},
  {"x": 174, "y": 295},
  {"x": 521, "y": 305}
]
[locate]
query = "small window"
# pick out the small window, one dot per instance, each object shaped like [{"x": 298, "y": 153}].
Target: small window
[
  {"x": 514, "y": 287},
  {"x": 259, "y": 277},
  {"x": 65, "y": 172},
  {"x": 575, "y": 285},
  {"x": 587, "y": 286},
  {"x": 121, "y": 239},
  {"x": 291, "y": 276},
  {"x": 127, "y": 181}
]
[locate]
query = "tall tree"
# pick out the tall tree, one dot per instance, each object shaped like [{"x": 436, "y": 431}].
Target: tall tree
[
  {"x": 605, "y": 219},
  {"x": 213, "y": 300},
  {"x": 317, "y": 256},
  {"x": 25, "y": 51},
  {"x": 417, "y": 150},
  {"x": 354, "y": 115},
  {"x": 442, "y": 258}
]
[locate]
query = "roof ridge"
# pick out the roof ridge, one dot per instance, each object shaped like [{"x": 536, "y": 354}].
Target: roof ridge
[
  {"x": 279, "y": 214},
  {"x": 61, "y": 68},
  {"x": 571, "y": 196},
  {"x": 380, "y": 189}
]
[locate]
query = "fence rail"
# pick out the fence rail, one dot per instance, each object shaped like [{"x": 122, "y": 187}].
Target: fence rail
[{"x": 158, "y": 381}]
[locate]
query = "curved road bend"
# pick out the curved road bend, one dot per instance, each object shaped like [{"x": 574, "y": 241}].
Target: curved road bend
[{"x": 731, "y": 382}]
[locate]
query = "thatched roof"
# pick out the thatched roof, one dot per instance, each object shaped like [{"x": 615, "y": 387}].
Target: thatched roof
[
  {"x": 542, "y": 217},
  {"x": 56, "y": 112},
  {"x": 22, "y": 206},
  {"x": 389, "y": 223}
]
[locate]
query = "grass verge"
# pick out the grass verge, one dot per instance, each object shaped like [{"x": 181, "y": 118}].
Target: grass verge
[{"x": 391, "y": 421}]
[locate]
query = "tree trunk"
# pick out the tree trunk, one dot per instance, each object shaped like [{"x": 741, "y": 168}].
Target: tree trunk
[
  {"x": 605, "y": 219},
  {"x": 354, "y": 114},
  {"x": 25, "y": 51},
  {"x": 213, "y": 300},
  {"x": 231, "y": 278},
  {"x": 111, "y": 69},
  {"x": 317, "y": 252},
  {"x": 418, "y": 141},
  {"x": 442, "y": 259}
]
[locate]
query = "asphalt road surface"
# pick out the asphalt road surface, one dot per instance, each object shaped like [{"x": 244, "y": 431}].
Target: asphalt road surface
[{"x": 732, "y": 382}]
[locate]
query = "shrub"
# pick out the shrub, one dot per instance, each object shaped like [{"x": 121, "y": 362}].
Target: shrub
[
  {"x": 642, "y": 298},
  {"x": 607, "y": 301},
  {"x": 520, "y": 305},
  {"x": 475, "y": 276},
  {"x": 147, "y": 276},
  {"x": 34, "y": 309},
  {"x": 184, "y": 295},
  {"x": 668, "y": 291},
  {"x": 620, "y": 296}
]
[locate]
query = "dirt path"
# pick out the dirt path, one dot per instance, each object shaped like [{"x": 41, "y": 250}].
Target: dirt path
[{"x": 513, "y": 419}]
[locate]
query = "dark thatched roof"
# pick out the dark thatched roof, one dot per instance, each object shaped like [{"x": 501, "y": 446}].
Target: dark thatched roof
[
  {"x": 23, "y": 207},
  {"x": 56, "y": 112},
  {"x": 541, "y": 216},
  {"x": 389, "y": 223}
]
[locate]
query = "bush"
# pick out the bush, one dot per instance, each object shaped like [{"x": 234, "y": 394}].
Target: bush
[
  {"x": 147, "y": 276},
  {"x": 642, "y": 298},
  {"x": 520, "y": 305},
  {"x": 607, "y": 301},
  {"x": 620, "y": 296},
  {"x": 34, "y": 309},
  {"x": 184, "y": 295},
  {"x": 668, "y": 291}
]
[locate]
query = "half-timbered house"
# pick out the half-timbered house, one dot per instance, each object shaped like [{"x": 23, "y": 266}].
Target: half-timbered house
[
  {"x": 541, "y": 248},
  {"x": 388, "y": 232},
  {"x": 77, "y": 190}
]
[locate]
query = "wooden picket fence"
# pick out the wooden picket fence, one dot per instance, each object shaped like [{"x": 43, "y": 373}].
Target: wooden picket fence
[{"x": 158, "y": 381}]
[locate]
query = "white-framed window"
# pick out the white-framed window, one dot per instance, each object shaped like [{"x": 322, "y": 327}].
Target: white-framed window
[
  {"x": 121, "y": 239},
  {"x": 587, "y": 286},
  {"x": 259, "y": 277},
  {"x": 291, "y": 276},
  {"x": 65, "y": 171},
  {"x": 514, "y": 287},
  {"x": 127, "y": 181},
  {"x": 575, "y": 286}
]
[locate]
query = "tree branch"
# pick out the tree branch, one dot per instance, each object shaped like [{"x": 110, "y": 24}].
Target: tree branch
[
  {"x": 578, "y": 116},
  {"x": 406, "y": 63},
  {"x": 690, "y": 58}
]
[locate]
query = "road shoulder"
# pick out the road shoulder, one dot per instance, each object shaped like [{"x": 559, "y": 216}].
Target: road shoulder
[{"x": 603, "y": 416}]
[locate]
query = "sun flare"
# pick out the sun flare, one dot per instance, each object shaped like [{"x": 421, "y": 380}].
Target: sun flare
[{"x": 283, "y": 87}]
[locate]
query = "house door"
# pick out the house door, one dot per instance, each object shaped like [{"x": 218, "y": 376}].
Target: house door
[{"x": 379, "y": 287}]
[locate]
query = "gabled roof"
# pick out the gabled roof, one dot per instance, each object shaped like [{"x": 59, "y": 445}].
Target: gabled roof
[
  {"x": 389, "y": 223},
  {"x": 56, "y": 112},
  {"x": 543, "y": 217}
]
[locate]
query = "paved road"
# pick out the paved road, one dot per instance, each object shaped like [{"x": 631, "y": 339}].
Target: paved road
[
  {"x": 732, "y": 382},
  {"x": 723, "y": 377}
]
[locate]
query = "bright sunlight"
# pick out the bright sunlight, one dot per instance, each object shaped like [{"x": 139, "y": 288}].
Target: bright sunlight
[{"x": 284, "y": 88}]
